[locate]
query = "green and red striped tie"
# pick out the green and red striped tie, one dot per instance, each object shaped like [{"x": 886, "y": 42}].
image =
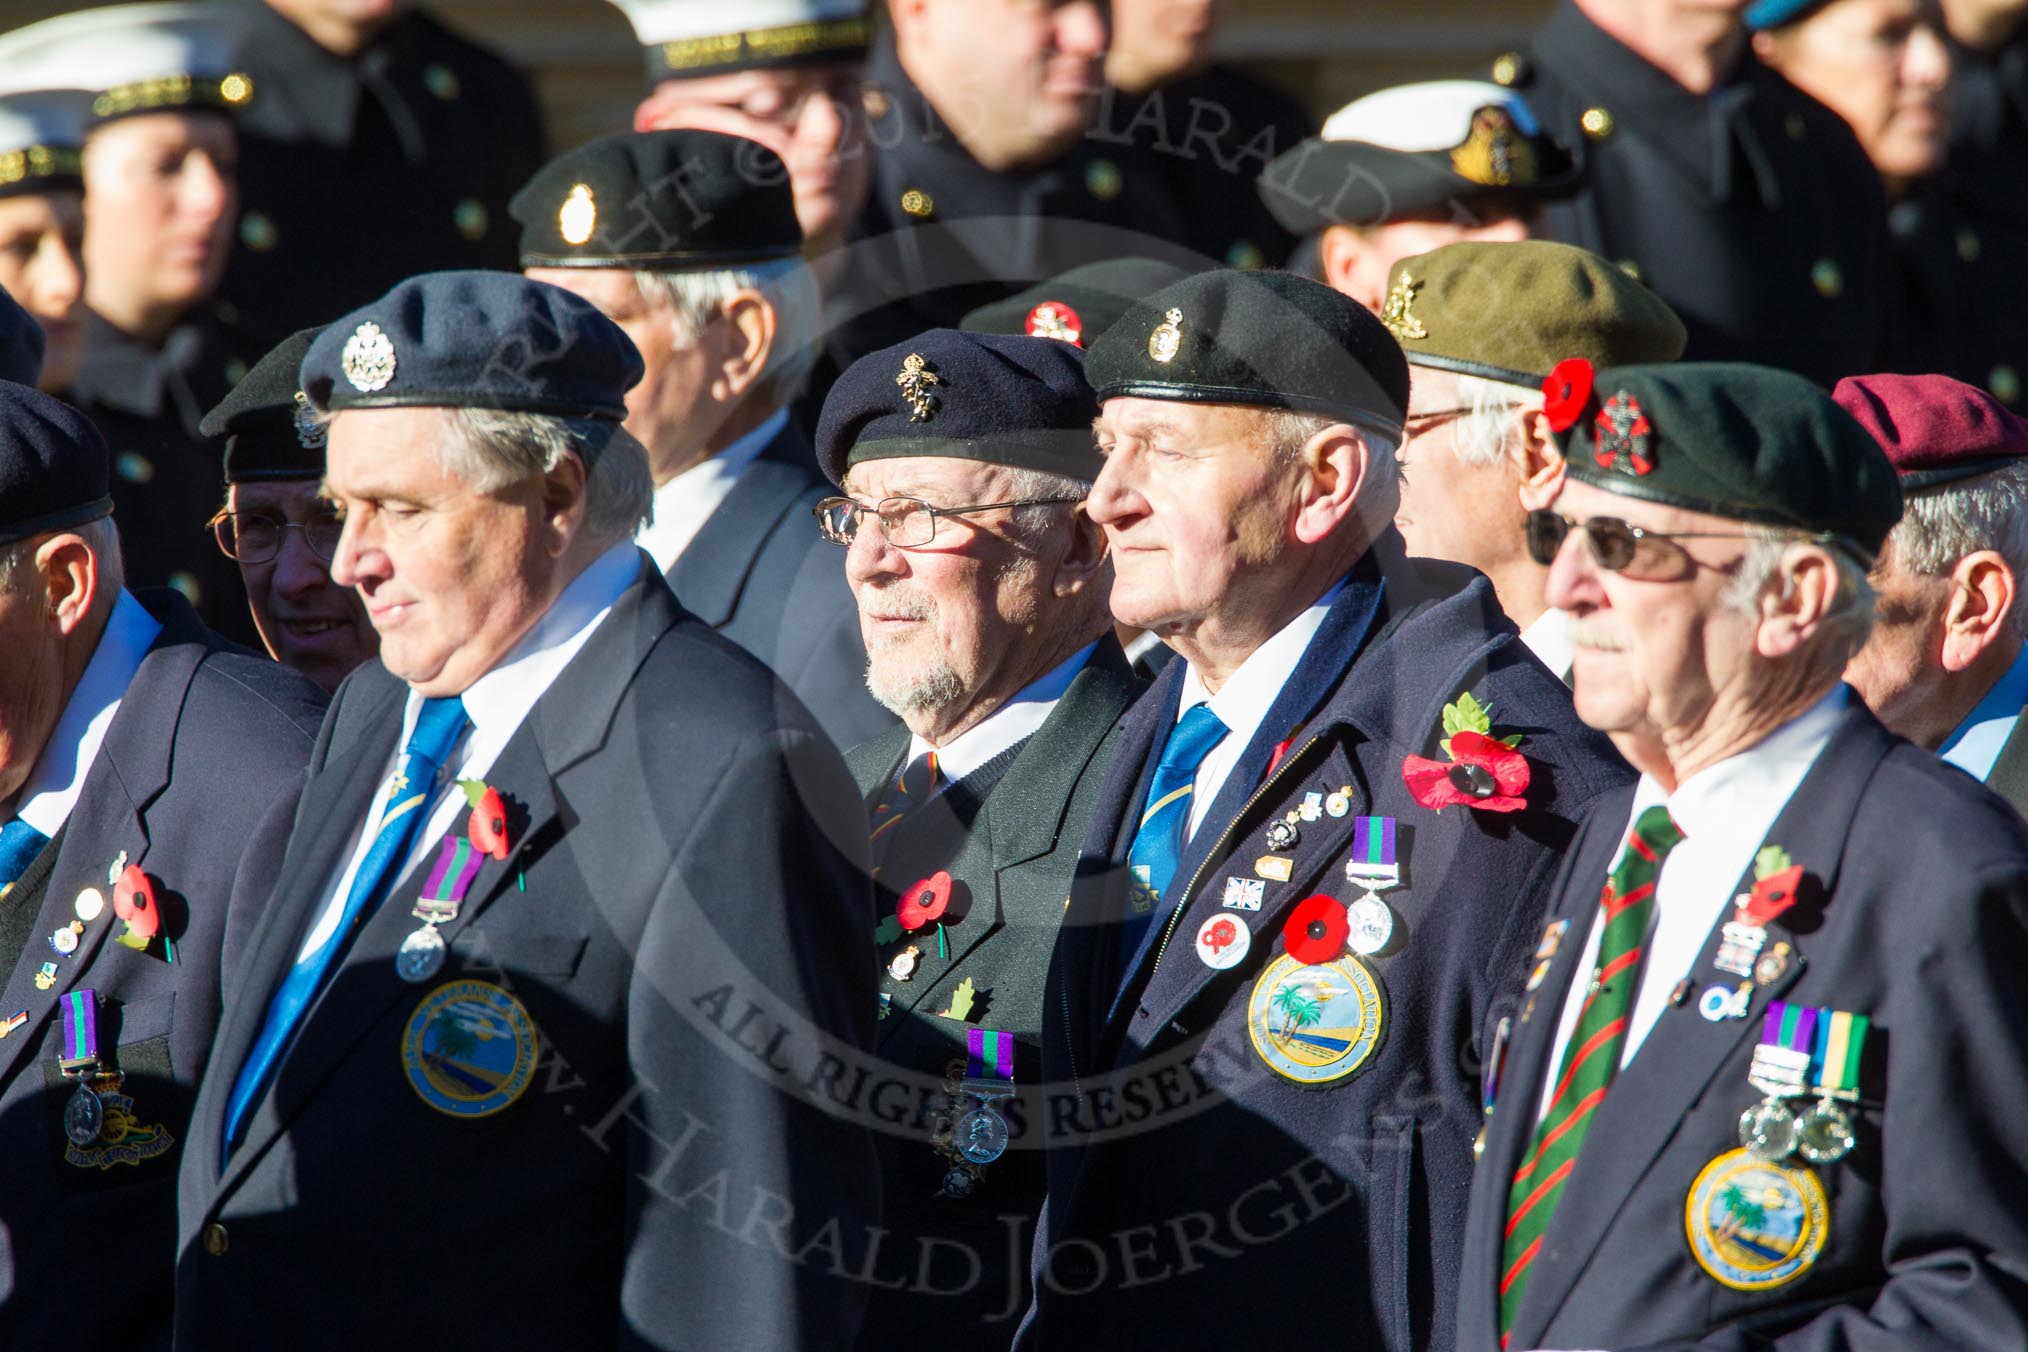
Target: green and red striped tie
[{"x": 1591, "y": 1057}]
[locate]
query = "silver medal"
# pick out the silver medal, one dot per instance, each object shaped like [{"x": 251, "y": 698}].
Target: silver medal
[
  {"x": 1372, "y": 925},
  {"x": 421, "y": 955},
  {"x": 982, "y": 1135},
  {"x": 1825, "y": 1134},
  {"x": 1768, "y": 1131},
  {"x": 83, "y": 1116}
]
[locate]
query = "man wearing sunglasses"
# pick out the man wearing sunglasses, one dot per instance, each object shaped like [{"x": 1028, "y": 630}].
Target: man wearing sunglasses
[
  {"x": 277, "y": 525},
  {"x": 1483, "y": 324},
  {"x": 982, "y": 592},
  {"x": 1242, "y": 1087},
  {"x": 1753, "y": 1097}
]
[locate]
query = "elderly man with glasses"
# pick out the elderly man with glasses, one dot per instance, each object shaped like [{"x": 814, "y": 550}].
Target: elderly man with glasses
[
  {"x": 277, "y": 525},
  {"x": 982, "y": 592},
  {"x": 1764, "y": 1090}
]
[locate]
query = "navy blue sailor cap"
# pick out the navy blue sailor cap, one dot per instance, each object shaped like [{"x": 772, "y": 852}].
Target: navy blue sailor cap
[
  {"x": 490, "y": 340},
  {"x": 997, "y": 398},
  {"x": 55, "y": 471}
]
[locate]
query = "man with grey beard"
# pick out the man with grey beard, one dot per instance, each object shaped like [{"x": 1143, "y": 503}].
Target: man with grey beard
[{"x": 982, "y": 589}]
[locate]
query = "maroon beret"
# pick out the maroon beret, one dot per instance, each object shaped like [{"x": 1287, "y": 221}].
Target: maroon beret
[{"x": 1934, "y": 429}]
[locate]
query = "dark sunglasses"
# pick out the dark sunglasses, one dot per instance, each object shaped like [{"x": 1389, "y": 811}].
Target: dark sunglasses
[{"x": 1616, "y": 546}]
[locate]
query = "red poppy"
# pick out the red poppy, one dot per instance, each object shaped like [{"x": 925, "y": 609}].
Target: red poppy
[
  {"x": 487, "y": 827},
  {"x": 923, "y": 902},
  {"x": 1566, "y": 392},
  {"x": 1483, "y": 773},
  {"x": 134, "y": 902},
  {"x": 1316, "y": 930},
  {"x": 1774, "y": 894}
]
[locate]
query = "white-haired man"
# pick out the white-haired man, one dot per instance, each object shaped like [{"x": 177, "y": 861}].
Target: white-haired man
[
  {"x": 1751, "y": 1086},
  {"x": 688, "y": 241},
  {"x": 1484, "y": 325},
  {"x": 1945, "y": 665},
  {"x": 658, "y": 850}
]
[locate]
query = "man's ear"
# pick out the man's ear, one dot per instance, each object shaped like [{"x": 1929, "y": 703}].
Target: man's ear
[
  {"x": 1538, "y": 464},
  {"x": 1792, "y": 612},
  {"x": 1086, "y": 558},
  {"x": 1334, "y": 464},
  {"x": 1981, "y": 608},
  {"x": 563, "y": 503},
  {"x": 748, "y": 330},
  {"x": 70, "y": 579},
  {"x": 1340, "y": 252}
]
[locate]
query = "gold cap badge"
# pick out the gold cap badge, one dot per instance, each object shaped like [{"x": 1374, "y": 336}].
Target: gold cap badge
[
  {"x": 310, "y": 433},
  {"x": 1167, "y": 339},
  {"x": 915, "y": 381},
  {"x": 578, "y": 216},
  {"x": 1495, "y": 153},
  {"x": 368, "y": 359},
  {"x": 1398, "y": 314}
]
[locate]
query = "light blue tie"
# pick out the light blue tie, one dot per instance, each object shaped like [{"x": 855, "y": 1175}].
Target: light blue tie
[
  {"x": 19, "y": 844},
  {"x": 1158, "y": 841},
  {"x": 437, "y": 729}
]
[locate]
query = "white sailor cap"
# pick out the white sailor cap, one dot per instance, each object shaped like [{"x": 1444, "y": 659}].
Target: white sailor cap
[
  {"x": 41, "y": 138},
  {"x": 135, "y": 58},
  {"x": 1433, "y": 115},
  {"x": 684, "y": 38}
]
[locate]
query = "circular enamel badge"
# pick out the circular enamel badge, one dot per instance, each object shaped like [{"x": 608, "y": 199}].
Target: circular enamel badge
[
  {"x": 1316, "y": 1025},
  {"x": 469, "y": 1049},
  {"x": 1223, "y": 941},
  {"x": 1754, "y": 1225}
]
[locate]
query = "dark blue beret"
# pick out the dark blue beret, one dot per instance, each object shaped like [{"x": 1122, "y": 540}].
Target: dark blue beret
[
  {"x": 1268, "y": 339},
  {"x": 659, "y": 200},
  {"x": 973, "y": 396},
  {"x": 20, "y": 343},
  {"x": 493, "y": 340},
  {"x": 54, "y": 466},
  {"x": 267, "y": 421}
]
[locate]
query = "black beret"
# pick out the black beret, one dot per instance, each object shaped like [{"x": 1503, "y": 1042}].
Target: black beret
[
  {"x": 1750, "y": 443},
  {"x": 1077, "y": 306},
  {"x": 54, "y": 467},
  {"x": 490, "y": 340},
  {"x": 973, "y": 396},
  {"x": 658, "y": 199},
  {"x": 20, "y": 343},
  {"x": 1269, "y": 339},
  {"x": 271, "y": 430}
]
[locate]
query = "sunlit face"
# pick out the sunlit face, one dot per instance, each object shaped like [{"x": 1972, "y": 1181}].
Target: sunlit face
[
  {"x": 1167, "y": 38},
  {"x": 307, "y": 621},
  {"x": 1882, "y": 66},
  {"x": 1651, "y": 656},
  {"x": 451, "y": 577},
  {"x": 41, "y": 236},
  {"x": 31, "y": 679},
  {"x": 1033, "y": 69},
  {"x": 160, "y": 198},
  {"x": 813, "y": 117},
  {"x": 1194, "y": 508},
  {"x": 952, "y": 621},
  {"x": 1453, "y": 507},
  {"x": 1362, "y": 269},
  {"x": 663, "y": 410},
  {"x": 1896, "y": 673}
]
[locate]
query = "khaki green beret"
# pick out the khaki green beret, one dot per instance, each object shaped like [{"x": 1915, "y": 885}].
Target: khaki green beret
[{"x": 1512, "y": 311}]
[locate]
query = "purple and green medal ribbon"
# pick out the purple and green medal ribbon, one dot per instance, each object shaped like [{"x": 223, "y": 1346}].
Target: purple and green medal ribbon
[
  {"x": 457, "y": 865},
  {"x": 1840, "y": 1040},
  {"x": 1791, "y": 1027},
  {"x": 989, "y": 1055},
  {"x": 1373, "y": 849},
  {"x": 80, "y": 1030}
]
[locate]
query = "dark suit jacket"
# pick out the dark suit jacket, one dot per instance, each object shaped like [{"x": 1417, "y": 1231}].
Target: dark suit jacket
[
  {"x": 1193, "y": 1193},
  {"x": 682, "y": 918},
  {"x": 1916, "y": 919},
  {"x": 196, "y": 782},
  {"x": 1010, "y": 845},
  {"x": 760, "y": 574}
]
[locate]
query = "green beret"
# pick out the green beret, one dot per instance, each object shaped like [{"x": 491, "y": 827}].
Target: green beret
[
  {"x": 1512, "y": 311},
  {"x": 1268, "y": 339},
  {"x": 1746, "y": 442}
]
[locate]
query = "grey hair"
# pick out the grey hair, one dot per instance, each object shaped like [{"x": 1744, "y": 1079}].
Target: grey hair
[
  {"x": 1031, "y": 522},
  {"x": 102, "y": 537},
  {"x": 1483, "y": 434},
  {"x": 489, "y": 449},
  {"x": 1288, "y": 431},
  {"x": 694, "y": 298},
  {"x": 1940, "y": 526},
  {"x": 1845, "y": 627}
]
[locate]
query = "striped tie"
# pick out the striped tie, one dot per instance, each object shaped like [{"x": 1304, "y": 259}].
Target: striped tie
[
  {"x": 1591, "y": 1057},
  {"x": 438, "y": 726},
  {"x": 1159, "y": 839},
  {"x": 914, "y": 786}
]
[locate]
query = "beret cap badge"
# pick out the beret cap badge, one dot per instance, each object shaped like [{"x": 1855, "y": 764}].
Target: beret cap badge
[
  {"x": 310, "y": 433},
  {"x": 915, "y": 381},
  {"x": 1167, "y": 339},
  {"x": 368, "y": 359},
  {"x": 1494, "y": 153},
  {"x": 1623, "y": 433},
  {"x": 1054, "y": 319},
  {"x": 1398, "y": 314},
  {"x": 578, "y": 216}
]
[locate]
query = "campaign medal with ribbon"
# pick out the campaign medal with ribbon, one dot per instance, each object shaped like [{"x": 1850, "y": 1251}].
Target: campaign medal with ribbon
[
  {"x": 1373, "y": 867},
  {"x": 78, "y": 1058},
  {"x": 1317, "y": 1014},
  {"x": 459, "y": 859},
  {"x": 1781, "y": 1070},
  {"x": 977, "y": 1131},
  {"x": 1824, "y": 1134}
]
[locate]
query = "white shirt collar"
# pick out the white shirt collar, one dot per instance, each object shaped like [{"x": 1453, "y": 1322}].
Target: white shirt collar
[
  {"x": 1549, "y": 639},
  {"x": 1008, "y": 725},
  {"x": 1144, "y": 643},
  {"x": 686, "y": 502},
  {"x": 1975, "y": 744},
  {"x": 58, "y": 777},
  {"x": 1742, "y": 795}
]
